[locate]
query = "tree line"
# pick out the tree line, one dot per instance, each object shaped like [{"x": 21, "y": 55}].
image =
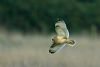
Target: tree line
[{"x": 40, "y": 15}]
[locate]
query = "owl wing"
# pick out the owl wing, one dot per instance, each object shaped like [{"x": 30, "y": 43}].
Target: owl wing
[
  {"x": 61, "y": 29},
  {"x": 56, "y": 47}
]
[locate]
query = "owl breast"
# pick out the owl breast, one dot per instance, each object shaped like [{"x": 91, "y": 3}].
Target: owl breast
[{"x": 59, "y": 39}]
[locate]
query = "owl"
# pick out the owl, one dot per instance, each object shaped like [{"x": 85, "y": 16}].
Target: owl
[{"x": 61, "y": 38}]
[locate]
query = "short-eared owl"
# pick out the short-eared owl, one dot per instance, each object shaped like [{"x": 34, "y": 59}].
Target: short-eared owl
[{"x": 62, "y": 37}]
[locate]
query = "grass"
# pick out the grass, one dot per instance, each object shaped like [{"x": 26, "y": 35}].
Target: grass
[{"x": 17, "y": 50}]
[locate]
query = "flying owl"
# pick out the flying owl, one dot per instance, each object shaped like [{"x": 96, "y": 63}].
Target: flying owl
[{"x": 61, "y": 38}]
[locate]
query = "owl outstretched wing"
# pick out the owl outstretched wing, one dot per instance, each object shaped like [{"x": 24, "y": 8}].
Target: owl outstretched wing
[
  {"x": 61, "y": 29},
  {"x": 56, "y": 47}
]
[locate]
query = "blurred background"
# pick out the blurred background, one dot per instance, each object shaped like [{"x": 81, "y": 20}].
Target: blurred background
[{"x": 27, "y": 26}]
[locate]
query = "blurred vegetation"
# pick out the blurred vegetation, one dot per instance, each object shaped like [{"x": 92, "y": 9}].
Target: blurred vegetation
[{"x": 40, "y": 15}]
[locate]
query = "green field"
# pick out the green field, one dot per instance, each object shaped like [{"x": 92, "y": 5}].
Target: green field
[{"x": 17, "y": 50}]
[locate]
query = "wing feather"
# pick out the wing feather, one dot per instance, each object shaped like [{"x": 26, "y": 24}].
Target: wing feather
[
  {"x": 61, "y": 29},
  {"x": 55, "y": 48}
]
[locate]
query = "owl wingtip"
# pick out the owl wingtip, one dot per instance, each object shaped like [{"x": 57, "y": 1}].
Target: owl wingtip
[
  {"x": 52, "y": 52},
  {"x": 59, "y": 19}
]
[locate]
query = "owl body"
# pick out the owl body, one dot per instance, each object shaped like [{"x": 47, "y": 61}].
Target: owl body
[
  {"x": 62, "y": 37},
  {"x": 59, "y": 39}
]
